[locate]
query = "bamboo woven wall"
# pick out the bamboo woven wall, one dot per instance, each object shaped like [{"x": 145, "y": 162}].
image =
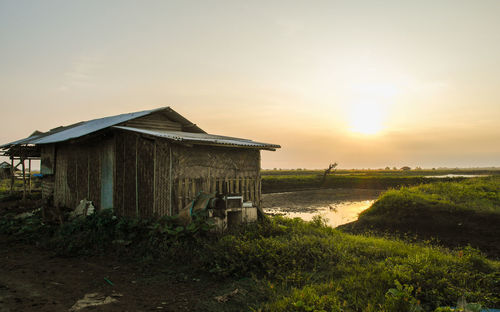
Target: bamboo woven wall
[
  {"x": 142, "y": 176},
  {"x": 143, "y": 180},
  {"x": 78, "y": 173},
  {"x": 215, "y": 169}
]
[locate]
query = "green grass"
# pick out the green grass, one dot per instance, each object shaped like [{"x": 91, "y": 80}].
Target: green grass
[
  {"x": 481, "y": 195},
  {"x": 309, "y": 266},
  {"x": 284, "y": 264},
  {"x": 453, "y": 213}
]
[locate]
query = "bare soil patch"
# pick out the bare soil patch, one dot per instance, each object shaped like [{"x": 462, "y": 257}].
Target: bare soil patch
[{"x": 35, "y": 280}]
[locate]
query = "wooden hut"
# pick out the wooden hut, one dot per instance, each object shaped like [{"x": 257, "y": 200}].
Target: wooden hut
[
  {"x": 146, "y": 164},
  {"x": 5, "y": 170}
]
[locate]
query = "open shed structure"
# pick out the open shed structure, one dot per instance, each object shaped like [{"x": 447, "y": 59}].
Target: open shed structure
[{"x": 144, "y": 164}]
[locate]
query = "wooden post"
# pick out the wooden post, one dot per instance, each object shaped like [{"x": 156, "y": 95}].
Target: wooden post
[
  {"x": 12, "y": 174},
  {"x": 155, "y": 213},
  {"x": 24, "y": 180},
  {"x": 29, "y": 177},
  {"x": 136, "y": 177},
  {"x": 170, "y": 179}
]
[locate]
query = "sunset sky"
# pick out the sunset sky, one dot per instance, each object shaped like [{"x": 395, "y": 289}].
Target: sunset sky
[{"x": 367, "y": 84}]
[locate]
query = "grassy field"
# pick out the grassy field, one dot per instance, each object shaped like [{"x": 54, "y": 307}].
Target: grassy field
[
  {"x": 375, "y": 172},
  {"x": 283, "y": 183},
  {"x": 281, "y": 264},
  {"x": 456, "y": 213},
  {"x": 293, "y": 180}
]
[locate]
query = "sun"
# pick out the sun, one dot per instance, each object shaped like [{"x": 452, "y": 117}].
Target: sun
[{"x": 366, "y": 118}]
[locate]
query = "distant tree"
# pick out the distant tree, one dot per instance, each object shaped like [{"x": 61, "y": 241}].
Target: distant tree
[
  {"x": 394, "y": 168},
  {"x": 328, "y": 170},
  {"x": 387, "y": 168},
  {"x": 418, "y": 168},
  {"x": 405, "y": 168}
]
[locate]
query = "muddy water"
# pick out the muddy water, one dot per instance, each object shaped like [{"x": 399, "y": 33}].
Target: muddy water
[{"x": 338, "y": 206}]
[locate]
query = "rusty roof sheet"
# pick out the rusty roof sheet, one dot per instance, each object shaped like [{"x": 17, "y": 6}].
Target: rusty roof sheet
[
  {"x": 80, "y": 129},
  {"x": 202, "y": 138}
]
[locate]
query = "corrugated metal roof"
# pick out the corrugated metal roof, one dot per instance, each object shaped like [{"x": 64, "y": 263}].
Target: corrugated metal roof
[
  {"x": 202, "y": 138},
  {"x": 80, "y": 129}
]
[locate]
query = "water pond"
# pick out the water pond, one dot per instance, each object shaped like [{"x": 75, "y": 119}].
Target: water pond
[
  {"x": 451, "y": 175},
  {"x": 338, "y": 206}
]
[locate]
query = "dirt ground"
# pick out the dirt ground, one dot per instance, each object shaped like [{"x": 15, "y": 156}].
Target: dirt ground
[{"x": 35, "y": 280}]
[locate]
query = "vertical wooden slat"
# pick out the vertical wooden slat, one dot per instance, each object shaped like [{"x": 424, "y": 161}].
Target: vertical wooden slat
[
  {"x": 252, "y": 188},
  {"x": 245, "y": 190},
  {"x": 193, "y": 189},
  {"x": 179, "y": 194},
  {"x": 186, "y": 192}
]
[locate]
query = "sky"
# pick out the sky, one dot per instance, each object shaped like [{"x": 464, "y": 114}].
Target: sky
[{"x": 366, "y": 84}]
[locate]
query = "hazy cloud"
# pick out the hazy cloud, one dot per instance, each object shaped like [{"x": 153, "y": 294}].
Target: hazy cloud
[{"x": 81, "y": 73}]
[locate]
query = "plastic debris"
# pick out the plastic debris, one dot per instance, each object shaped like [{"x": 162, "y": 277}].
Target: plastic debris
[
  {"x": 109, "y": 282},
  {"x": 93, "y": 300},
  {"x": 84, "y": 208},
  {"x": 226, "y": 297}
]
